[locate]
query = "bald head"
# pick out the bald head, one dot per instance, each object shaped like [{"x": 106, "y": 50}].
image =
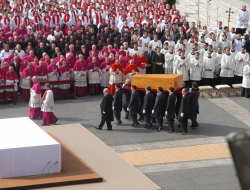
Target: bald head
[
  {"x": 34, "y": 79},
  {"x": 105, "y": 91}
]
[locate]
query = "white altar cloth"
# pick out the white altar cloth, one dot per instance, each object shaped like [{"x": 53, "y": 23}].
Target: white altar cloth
[{"x": 26, "y": 149}]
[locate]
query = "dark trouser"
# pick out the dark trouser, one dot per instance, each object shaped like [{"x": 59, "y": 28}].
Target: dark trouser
[
  {"x": 184, "y": 125},
  {"x": 134, "y": 119},
  {"x": 140, "y": 114},
  {"x": 193, "y": 118},
  {"x": 208, "y": 81},
  {"x": 245, "y": 92},
  {"x": 117, "y": 115},
  {"x": 237, "y": 79},
  {"x": 171, "y": 124},
  {"x": 147, "y": 120},
  {"x": 186, "y": 84},
  {"x": 199, "y": 83},
  {"x": 241, "y": 31},
  {"x": 159, "y": 122},
  {"x": 109, "y": 126},
  {"x": 126, "y": 113},
  {"x": 226, "y": 80}
]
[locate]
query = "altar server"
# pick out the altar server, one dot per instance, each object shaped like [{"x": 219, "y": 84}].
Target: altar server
[
  {"x": 35, "y": 98},
  {"x": 169, "y": 60},
  {"x": 227, "y": 68},
  {"x": 208, "y": 70},
  {"x": 246, "y": 81},
  {"x": 47, "y": 102},
  {"x": 241, "y": 60},
  {"x": 182, "y": 66},
  {"x": 116, "y": 75},
  {"x": 196, "y": 67},
  {"x": 242, "y": 21},
  {"x": 80, "y": 76}
]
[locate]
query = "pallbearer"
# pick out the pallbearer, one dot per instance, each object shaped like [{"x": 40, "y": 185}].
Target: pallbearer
[
  {"x": 35, "y": 98},
  {"x": 47, "y": 102},
  {"x": 80, "y": 75}
]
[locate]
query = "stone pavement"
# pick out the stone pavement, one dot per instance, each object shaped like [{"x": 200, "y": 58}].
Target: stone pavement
[{"x": 199, "y": 160}]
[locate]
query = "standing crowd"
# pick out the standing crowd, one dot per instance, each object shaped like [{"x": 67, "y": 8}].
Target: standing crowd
[{"x": 99, "y": 43}]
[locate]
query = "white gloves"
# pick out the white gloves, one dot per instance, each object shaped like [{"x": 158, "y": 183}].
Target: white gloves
[
  {"x": 153, "y": 111},
  {"x": 182, "y": 114},
  {"x": 113, "y": 107},
  {"x": 104, "y": 112},
  {"x": 143, "y": 111},
  {"x": 127, "y": 109},
  {"x": 166, "y": 113}
]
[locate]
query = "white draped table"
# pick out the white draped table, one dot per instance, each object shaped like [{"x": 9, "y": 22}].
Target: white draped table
[{"x": 26, "y": 149}]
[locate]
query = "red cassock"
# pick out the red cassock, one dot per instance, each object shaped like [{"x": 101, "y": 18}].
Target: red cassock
[
  {"x": 27, "y": 72},
  {"x": 130, "y": 68},
  {"x": 114, "y": 68},
  {"x": 2, "y": 77},
  {"x": 81, "y": 66},
  {"x": 11, "y": 76},
  {"x": 143, "y": 60}
]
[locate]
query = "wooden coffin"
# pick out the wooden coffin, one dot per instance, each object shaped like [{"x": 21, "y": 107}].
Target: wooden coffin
[{"x": 156, "y": 80}]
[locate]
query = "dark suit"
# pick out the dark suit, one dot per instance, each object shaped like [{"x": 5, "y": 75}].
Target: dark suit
[
  {"x": 126, "y": 99},
  {"x": 171, "y": 3},
  {"x": 106, "y": 111},
  {"x": 178, "y": 36},
  {"x": 118, "y": 104},
  {"x": 159, "y": 108},
  {"x": 148, "y": 104},
  {"x": 184, "y": 108},
  {"x": 16, "y": 68},
  {"x": 133, "y": 106},
  {"x": 194, "y": 106},
  {"x": 158, "y": 69},
  {"x": 149, "y": 70},
  {"x": 171, "y": 110}
]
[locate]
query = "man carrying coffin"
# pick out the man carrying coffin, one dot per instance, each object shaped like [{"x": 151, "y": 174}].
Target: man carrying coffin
[
  {"x": 94, "y": 77},
  {"x": 170, "y": 110},
  {"x": 11, "y": 78},
  {"x": 35, "y": 98},
  {"x": 117, "y": 107},
  {"x": 126, "y": 97},
  {"x": 148, "y": 105},
  {"x": 116, "y": 75},
  {"x": 47, "y": 102},
  {"x": 134, "y": 106},
  {"x": 53, "y": 75},
  {"x": 131, "y": 70},
  {"x": 27, "y": 75},
  {"x": 80, "y": 75}
]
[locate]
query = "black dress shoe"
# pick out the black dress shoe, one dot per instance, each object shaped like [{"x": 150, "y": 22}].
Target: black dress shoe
[
  {"x": 98, "y": 128},
  {"x": 125, "y": 117},
  {"x": 132, "y": 125},
  {"x": 159, "y": 129},
  {"x": 109, "y": 129},
  {"x": 136, "y": 124},
  {"x": 170, "y": 131},
  {"x": 118, "y": 123},
  {"x": 179, "y": 126},
  {"x": 44, "y": 124}
]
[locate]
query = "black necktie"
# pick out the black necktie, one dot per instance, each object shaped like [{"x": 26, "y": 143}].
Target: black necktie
[{"x": 149, "y": 53}]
